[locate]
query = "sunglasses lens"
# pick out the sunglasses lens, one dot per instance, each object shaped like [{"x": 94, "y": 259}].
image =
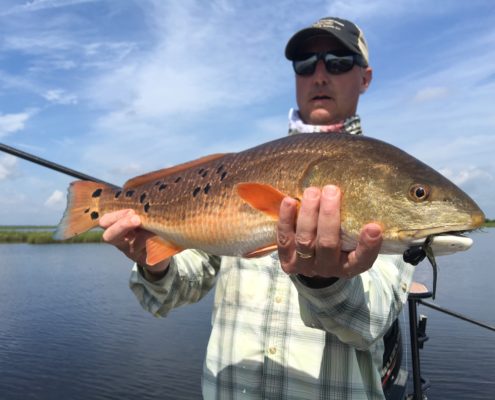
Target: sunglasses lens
[
  {"x": 335, "y": 64},
  {"x": 306, "y": 66},
  {"x": 338, "y": 65}
]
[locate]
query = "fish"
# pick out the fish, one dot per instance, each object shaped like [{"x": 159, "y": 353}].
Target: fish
[{"x": 228, "y": 204}]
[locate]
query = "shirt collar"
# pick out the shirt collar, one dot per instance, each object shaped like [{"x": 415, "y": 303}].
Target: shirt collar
[{"x": 350, "y": 125}]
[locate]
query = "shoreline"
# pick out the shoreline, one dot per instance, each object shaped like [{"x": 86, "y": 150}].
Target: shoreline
[
  {"x": 40, "y": 236},
  {"x": 43, "y": 234}
]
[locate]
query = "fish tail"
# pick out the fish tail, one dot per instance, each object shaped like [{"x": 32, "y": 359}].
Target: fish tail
[{"x": 83, "y": 209}]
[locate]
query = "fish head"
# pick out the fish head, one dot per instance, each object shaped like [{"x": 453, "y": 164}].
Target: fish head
[
  {"x": 410, "y": 200},
  {"x": 417, "y": 201}
]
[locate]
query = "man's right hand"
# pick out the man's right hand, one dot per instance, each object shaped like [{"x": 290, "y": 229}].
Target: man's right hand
[{"x": 123, "y": 230}]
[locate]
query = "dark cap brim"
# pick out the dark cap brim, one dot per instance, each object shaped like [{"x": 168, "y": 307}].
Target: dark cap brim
[{"x": 293, "y": 48}]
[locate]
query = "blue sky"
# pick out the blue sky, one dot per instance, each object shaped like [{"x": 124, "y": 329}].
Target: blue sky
[{"x": 115, "y": 88}]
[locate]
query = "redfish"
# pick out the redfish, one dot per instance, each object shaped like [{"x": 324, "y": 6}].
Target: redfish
[{"x": 228, "y": 204}]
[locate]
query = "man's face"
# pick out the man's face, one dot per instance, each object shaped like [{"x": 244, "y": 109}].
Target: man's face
[{"x": 324, "y": 98}]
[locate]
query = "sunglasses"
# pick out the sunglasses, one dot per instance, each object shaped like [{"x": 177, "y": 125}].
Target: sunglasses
[{"x": 335, "y": 64}]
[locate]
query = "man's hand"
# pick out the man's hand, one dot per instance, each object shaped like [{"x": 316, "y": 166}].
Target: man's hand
[
  {"x": 122, "y": 229},
  {"x": 312, "y": 246}
]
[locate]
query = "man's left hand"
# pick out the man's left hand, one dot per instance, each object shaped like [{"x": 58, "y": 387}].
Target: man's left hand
[{"x": 312, "y": 246}]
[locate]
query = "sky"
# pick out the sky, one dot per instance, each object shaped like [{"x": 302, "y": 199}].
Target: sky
[{"x": 116, "y": 88}]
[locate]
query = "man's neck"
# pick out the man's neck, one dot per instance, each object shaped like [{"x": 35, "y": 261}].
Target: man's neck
[{"x": 350, "y": 125}]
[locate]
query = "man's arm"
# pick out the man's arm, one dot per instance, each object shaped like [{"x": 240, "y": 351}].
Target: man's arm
[
  {"x": 189, "y": 277},
  {"x": 182, "y": 279}
]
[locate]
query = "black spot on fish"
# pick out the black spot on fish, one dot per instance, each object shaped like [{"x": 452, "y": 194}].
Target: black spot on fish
[
  {"x": 118, "y": 194},
  {"x": 178, "y": 179},
  {"x": 86, "y": 211},
  {"x": 219, "y": 169},
  {"x": 129, "y": 193},
  {"x": 142, "y": 197},
  {"x": 224, "y": 174},
  {"x": 204, "y": 174},
  {"x": 196, "y": 191},
  {"x": 163, "y": 186},
  {"x": 94, "y": 215},
  {"x": 146, "y": 207},
  {"x": 97, "y": 193},
  {"x": 207, "y": 188}
]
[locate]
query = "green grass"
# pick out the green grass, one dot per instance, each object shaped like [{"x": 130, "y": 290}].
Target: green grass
[
  {"x": 45, "y": 237},
  {"x": 489, "y": 223},
  {"x": 23, "y": 234},
  {"x": 27, "y": 227}
]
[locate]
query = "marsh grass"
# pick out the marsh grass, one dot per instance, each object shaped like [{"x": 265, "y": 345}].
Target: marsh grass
[
  {"x": 45, "y": 237},
  {"x": 44, "y": 234}
]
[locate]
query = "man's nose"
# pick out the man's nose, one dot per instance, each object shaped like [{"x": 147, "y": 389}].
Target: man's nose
[{"x": 320, "y": 75}]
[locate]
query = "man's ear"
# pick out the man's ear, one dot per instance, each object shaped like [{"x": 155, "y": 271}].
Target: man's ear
[{"x": 366, "y": 79}]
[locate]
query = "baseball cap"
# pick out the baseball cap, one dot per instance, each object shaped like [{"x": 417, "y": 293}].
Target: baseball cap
[{"x": 346, "y": 32}]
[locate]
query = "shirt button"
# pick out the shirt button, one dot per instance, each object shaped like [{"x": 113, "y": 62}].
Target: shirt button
[
  {"x": 272, "y": 350},
  {"x": 404, "y": 287},
  {"x": 278, "y": 299}
]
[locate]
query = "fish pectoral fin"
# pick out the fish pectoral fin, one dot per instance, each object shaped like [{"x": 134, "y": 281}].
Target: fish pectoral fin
[
  {"x": 158, "y": 249},
  {"x": 262, "y": 197},
  {"x": 163, "y": 173},
  {"x": 262, "y": 251}
]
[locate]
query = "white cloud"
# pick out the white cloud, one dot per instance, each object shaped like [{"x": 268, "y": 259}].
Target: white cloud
[
  {"x": 56, "y": 199},
  {"x": 60, "y": 96},
  {"x": 36, "y": 5},
  {"x": 30, "y": 43},
  {"x": 430, "y": 93},
  {"x": 10, "y": 123},
  {"x": 8, "y": 166},
  {"x": 463, "y": 177},
  {"x": 128, "y": 170},
  {"x": 192, "y": 70}
]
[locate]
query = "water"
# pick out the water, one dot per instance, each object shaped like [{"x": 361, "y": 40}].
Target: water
[
  {"x": 71, "y": 329},
  {"x": 459, "y": 358}
]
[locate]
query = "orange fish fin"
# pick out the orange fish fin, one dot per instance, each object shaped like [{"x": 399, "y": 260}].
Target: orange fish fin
[
  {"x": 262, "y": 251},
  {"x": 158, "y": 249},
  {"x": 83, "y": 209},
  {"x": 262, "y": 197},
  {"x": 162, "y": 173}
]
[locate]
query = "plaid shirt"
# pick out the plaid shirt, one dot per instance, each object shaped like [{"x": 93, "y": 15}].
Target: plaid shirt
[{"x": 275, "y": 338}]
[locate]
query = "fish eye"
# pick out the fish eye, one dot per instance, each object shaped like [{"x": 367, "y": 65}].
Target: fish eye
[{"x": 419, "y": 192}]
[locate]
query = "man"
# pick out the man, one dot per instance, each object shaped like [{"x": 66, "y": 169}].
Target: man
[{"x": 308, "y": 321}]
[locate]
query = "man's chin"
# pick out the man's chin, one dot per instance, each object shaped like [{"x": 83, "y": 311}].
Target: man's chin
[{"x": 322, "y": 117}]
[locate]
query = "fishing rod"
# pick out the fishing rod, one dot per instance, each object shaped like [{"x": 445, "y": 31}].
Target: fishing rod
[{"x": 49, "y": 164}]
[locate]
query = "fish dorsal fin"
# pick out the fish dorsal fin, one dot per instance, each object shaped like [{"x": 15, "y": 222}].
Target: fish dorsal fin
[
  {"x": 158, "y": 249},
  {"x": 262, "y": 197},
  {"x": 164, "y": 172}
]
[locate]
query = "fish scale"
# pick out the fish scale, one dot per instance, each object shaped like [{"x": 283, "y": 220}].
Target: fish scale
[{"x": 228, "y": 204}]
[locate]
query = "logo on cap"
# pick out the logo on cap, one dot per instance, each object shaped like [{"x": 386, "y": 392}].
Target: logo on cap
[{"x": 329, "y": 23}]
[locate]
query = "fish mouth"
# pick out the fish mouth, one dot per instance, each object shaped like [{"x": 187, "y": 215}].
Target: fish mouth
[
  {"x": 443, "y": 242},
  {"x": 416, "y": 235},
  {"x": 477, "y": 220}
]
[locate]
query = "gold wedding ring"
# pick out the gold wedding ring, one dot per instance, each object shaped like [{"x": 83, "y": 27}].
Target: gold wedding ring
[{"x": 304, "y": 256}]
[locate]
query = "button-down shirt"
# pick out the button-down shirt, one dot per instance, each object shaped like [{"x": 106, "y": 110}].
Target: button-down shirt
[{"x": 275, "y": 338}]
